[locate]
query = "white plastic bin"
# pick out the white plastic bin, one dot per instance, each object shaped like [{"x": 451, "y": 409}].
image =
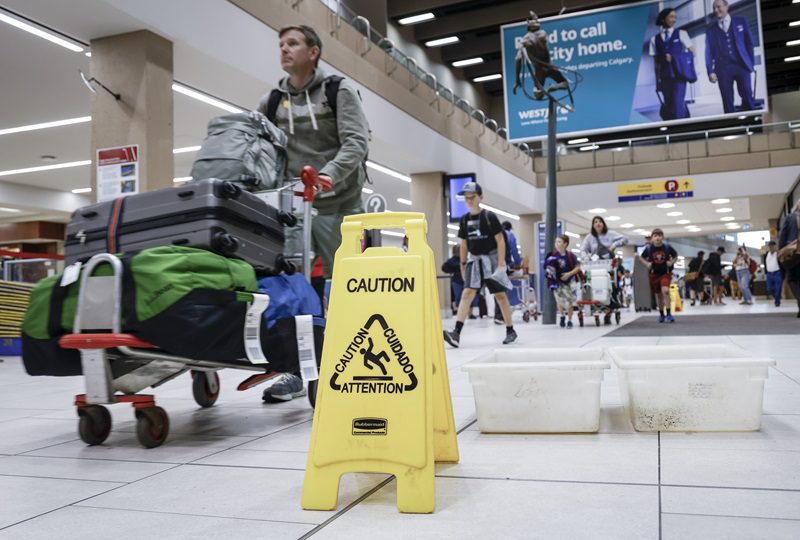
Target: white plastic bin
[
  {"x": 712, "y": 387},
  {"x": 538, "y": 390}
]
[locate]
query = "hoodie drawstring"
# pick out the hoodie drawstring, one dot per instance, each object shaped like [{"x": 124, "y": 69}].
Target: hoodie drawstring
[
  {"x": 311, "y": 112},
  {"x": 291, "y": 116}
]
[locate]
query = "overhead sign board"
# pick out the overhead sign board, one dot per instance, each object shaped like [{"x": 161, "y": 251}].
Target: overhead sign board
[{"x": 678, "y": 188}]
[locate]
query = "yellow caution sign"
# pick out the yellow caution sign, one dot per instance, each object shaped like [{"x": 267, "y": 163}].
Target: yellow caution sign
[
  {"x": 383, "y": 400},
  {"x": 675, "y": 300}
]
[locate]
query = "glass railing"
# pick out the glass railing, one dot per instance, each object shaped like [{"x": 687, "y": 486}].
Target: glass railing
[{"x": 341, "y": 13}]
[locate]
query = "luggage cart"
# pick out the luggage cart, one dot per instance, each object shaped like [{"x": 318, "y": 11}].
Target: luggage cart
[
  {"x": 527, "y": 297},
  {"x": 598, "y": 293},
  {"x": 116, "y": 366}
]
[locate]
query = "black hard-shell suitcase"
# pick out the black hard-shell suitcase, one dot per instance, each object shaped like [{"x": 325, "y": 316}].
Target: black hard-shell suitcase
[{"x": 209, "y": 214}]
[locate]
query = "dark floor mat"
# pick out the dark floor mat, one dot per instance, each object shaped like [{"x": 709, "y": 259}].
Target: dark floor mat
[{"x": 712, "y": 325}]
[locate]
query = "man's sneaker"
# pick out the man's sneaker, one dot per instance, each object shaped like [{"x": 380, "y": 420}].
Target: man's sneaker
[
  {"x": 285, "y": 387},
  {"x": 661, "y": 318},
  {"x": 511, "y": 337},
  {"x": 499, "y": 321},
  {"x": 670, "y": 318},
  {"x": 569, "y": 325},
  {"x": 562, "y": 322},
  {"x": 452, "y": 338}
]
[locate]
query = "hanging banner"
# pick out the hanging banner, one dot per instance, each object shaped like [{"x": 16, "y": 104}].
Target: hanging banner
[
  {"x": 117, "y": 172},
  {"x": 678, "y": 188},
  {"x": 702, "y": 63}
]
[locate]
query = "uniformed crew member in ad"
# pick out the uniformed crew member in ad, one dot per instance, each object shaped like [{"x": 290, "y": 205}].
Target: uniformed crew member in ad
[
  {"x": 730, "y": 57},
  {"x": 672, "y": 53}
]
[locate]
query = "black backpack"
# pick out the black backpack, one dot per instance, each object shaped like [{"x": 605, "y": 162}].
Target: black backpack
[{"x": 509, "y": 259}]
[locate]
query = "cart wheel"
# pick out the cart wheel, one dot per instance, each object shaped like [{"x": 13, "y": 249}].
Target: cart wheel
[
  {"x": 312, "y": 393},
  {"x": 152, "y": 426},
  {"x": 597, "y": 320},
  {"x": 535, "y": 315},
  {"x": 200, "y": 388},
  {"x": 94, "y": 424},
  {"x": 526, "y": 316},
  {"x": 617, "y": 316}
]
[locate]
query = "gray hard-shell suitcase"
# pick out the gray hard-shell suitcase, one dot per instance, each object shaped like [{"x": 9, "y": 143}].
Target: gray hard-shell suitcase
[{"x": 209, "y": 214}]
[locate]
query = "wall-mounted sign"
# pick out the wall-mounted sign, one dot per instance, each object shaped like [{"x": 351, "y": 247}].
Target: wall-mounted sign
[
  {"x": 117, "y": 172},
  {"x": 678, "y": 188}
]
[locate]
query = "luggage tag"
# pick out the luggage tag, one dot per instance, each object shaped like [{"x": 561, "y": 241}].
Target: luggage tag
[
  {"x": 305, "y": 347},
  {"x": 252, "y": 329},
  {"x": 71, "y": 274}
]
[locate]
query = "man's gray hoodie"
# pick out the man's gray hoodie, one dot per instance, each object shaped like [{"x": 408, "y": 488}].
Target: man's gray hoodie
[{"x": 336, "y": 147}]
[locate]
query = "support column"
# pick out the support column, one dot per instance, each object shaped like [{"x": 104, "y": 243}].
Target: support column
[
  {"x": 137, "y": 65},
  {"x": 526, "y": 237},
  {"x": 427, "y": 194}
]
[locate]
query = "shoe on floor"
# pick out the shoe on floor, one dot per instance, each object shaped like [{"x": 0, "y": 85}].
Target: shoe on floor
[
  {"x": 670, "y": 318},
  {"x": 452, "y": 338},
  {"x": 286, "y": 387},
  {"x": 661, "y": 318},
  {"x": 511, "y": 337},
  {"x": 562, "y": 321},
  {"x": 499, "y": 321},
  {"x": 569, "y": 325}
]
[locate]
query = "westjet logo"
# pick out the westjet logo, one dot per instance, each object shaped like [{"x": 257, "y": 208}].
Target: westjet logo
[{"x": 530, "y": 114}]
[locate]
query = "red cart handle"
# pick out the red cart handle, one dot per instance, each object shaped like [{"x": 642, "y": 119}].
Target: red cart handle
[{"x": 311, "y": 180}]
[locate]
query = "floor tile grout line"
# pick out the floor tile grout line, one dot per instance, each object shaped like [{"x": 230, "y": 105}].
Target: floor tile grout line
[
  {"x": 346, "y": 509},
  {"x": 45, "y": 447},
  {"x": 785, "y": 375},
  {"x": 660, "y": 509},
  {"x": 731, "y": 516},
  {"x": 7, "y": 475},
  {"x": 188, "y": 514},
  {"x": 546, "y": 480},
  {"x": 99, "y": 459},
  {"x": 734, "y": 488}
]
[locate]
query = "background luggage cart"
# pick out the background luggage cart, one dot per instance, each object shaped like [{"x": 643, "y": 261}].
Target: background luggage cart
[
  {"x": 526, "y": 295},
  {"x": 116, "y": 366},
  {"x": 598, "y": 293}
]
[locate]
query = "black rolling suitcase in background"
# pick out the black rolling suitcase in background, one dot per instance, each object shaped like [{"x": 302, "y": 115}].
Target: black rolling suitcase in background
[{"x": 209, "y": 214}]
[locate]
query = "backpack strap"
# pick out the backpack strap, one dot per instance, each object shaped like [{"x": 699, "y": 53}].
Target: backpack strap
[
  {"x": 272, "y": 104},
  {"x": 330, "y": 85}
]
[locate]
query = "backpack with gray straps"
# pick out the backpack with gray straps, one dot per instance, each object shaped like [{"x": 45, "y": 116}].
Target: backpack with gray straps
[{"x": 245, "y": 148}]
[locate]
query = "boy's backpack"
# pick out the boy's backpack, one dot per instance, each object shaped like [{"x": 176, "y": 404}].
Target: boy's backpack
[
  {"x": 330, "y": 86},
  {"x": 509, "y": 259},
  {"x": 245, "y": 148},
  {"x": 753, "y": 266}
]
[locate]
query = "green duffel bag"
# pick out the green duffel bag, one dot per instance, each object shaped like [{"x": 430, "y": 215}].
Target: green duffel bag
[{"x": 186, "y": 301}]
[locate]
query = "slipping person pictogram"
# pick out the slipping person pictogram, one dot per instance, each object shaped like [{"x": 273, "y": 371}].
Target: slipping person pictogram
[{"x": 370, "y": 357}]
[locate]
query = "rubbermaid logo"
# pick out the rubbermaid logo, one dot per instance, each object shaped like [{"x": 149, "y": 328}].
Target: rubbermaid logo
[{"x": 369, "y": 426}]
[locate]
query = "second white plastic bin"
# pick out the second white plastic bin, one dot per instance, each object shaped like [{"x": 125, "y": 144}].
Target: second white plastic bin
[
  {"x": 538, "y": 390},
  {"x": 714, "y": 387}
]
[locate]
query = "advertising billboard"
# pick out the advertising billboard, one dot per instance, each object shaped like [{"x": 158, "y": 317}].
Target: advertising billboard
[{"x": 644, "y": 64}]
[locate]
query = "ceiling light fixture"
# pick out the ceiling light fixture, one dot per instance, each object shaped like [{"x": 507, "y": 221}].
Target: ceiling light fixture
[
  {"x": 498, "y": 211},
  {"x": 572, "y": 234},
  {"x": 442, "y": 41},
  {"x": 185, "y": 149},
  {"x": 791, "y": 59},
  {"x": 590, "y": 147},
  {"x": 414, "y": 19},
  {"x": 390, "y": 172},
  {"x": 452, "y": 226},
  {"x": 793, "y": 42},
  {"x": 794, "y": 23},
  {"x": 727, "y": 218},
  {"x": 404, "y": 201},
  {"x": 181, "y": 179},
  {"x": 724, "y": 210},
  {"x": 627, "y": 225},
  {"x": 578, "y": 141},
  {"x": 82, "y": 190},
  {"x": 46, "y": 125},
  {"x": 683, "y": 222},
  {"x": 9, "y": 210},
  {"x": 367, "y": 190},
  {"x": 46, "y": 167},
  {"x": 720, "y": 201},
  {"x": 492, "y": 77},
  {"x": 666, "y": 205},
  {"x": 663, "y": 128},
  {"x": 205, "y": 98},
  {"x": 674, "y": 214},
  {"x": 468, "y": 62},
  {"x": 597, "y": 210},
  {"x": 613, "y": 218},
  {"x": 52, "y": 38}
]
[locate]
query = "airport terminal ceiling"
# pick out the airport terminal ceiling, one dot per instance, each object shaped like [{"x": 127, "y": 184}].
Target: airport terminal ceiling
[{"x": 41, "y": 84}]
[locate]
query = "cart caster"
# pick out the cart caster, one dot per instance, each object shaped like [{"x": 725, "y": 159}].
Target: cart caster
[
  {"x": 94, "y": 424},
  {"x": 617, "y": 317},
  {"x": 535, "y": 316},
  {"x": 597, "y": 320},
  {"x": 205, "y": 391},
  {"x": 152, "y": 426},
  {"x": 312, "y": 393},
  {"x": 526, "y": 316}
]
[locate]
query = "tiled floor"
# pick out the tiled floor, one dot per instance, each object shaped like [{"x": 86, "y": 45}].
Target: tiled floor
[{"x": 236, "y": 470}]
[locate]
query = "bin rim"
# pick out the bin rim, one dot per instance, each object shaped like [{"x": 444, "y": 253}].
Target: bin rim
[
  {"x": 695, "y": 363},
  {"x": 564, "y": 365}
]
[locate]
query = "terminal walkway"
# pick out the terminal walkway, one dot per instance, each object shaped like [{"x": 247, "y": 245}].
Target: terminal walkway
[{"x": 236, "y": 470}]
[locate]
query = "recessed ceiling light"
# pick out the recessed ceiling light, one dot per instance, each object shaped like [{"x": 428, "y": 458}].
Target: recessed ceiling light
[
  {"x": 597, "y": 210},
  {"x": 613, "y": 218},
  {"x": 793, "y": 42},
  {"x": 695, "y": 229},
  {"x": 52, "y": 38},
  {"x": 468, "y": 62},
  {"x": 414, "y": 19},
  {"x": 82, "y": 190},
  {"x": 404, "y": 201},
  {"x": 9, "y": 210},
  {"x": 578, "y": 141},
  {"x": 674, "y": 214},
  {"x": 45, "y": 125},
  {"x": 185, "y": 149},
  {"x": 666, "y": 205},
  {"x": 46, "y": 167},
  {"x": 205, "y": 98},
  {"x": 367, "y": 190},
  {"x": 720, "y": 201},
  {"x": 181, "y": 179},
  {"x": 498, "y": 211},
  {"x": 724, "y": 210},
  {"x": 727, "y": 218},
  {"x": 683, "y": 222},
  {"x": 442, "y": 41},
  {"x": 452, "y": 226},
  {"x": 640, "y": 231},
  {"x": 733, "y": 226},
  {"x": 588, "y": 147},
  {"x": 572, "y": 234},
  {"x": 627, "y": 225},
  {"x": 690, "y": 226},
  {"x": 791, "y": 59},
  {"x": 388, "y": 171},
  {"x": 492, "y": 77},
  {"x": 663, "y": 128}
]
